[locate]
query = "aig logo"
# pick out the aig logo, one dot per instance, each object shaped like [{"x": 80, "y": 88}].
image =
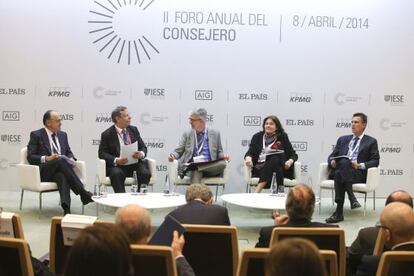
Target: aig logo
[
  {"x": 59, "y": 92},
  {"x": 203, "y": 95},
  {"x": 99, "y": 92},
  {"x": 393, "y": 172},
  {"x": 11, "y": 115},
  {"x": 155, "y": 143},
  {"x": 300, "y": 97},
  {"x": 300, "y": 145},
  {"x": 103, "y": 118},
  {"x": 12, "y": 91},
  {"x": 391, "y": 148},
  {"x": 343, "y": 123},
  {"x": 67, "y": 117},
  {"x": 254, "y": 96},
  {"x": 300, "y": 122},
  {"x": 394, "y": 99},
  {"x": 155, "y": 93},
  {"x": 252, "y": 120}
]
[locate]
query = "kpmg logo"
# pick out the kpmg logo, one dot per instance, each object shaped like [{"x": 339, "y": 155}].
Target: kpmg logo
[
  {"x": 155, "y": 143},
  {"x": 96, "y": 142},
  {"x": 162, "y": 168},
  {"x": 59, "y": 92},
  {"x": 155, "y": 93},
  {"x": 103, "y": 118},
  {"x": 203, "y": 95},
  {"x": 11, "y": 138},
  {"x": 300, "y": 122},
  {"x": 392, "y": 172},
  {"x": 300, "y": 145},
  {"x": 116, "y": 30},
  {"x": 67, "y": 117},
  {"x": 391, "y": 148},
  {"x": 343, "y": 123},
  {"x": 254, "y": 96},
  {"x": 387, "y": 124},
  {"x": 341, "y": 98},
  {"x": 300, "y": 97},
  {"x": 99, "y": 92},
  {"x": 394, "y": 99},
  {"x": 245, "y": 143},
  {"x": 11, "y": 115},
  {"x": 12, "y": 91},
  {"x": 147, "y": 118},
  {"x": 252, "y": 120}
]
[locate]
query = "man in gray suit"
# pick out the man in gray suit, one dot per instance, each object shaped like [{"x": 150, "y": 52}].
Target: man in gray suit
[{"x": 199, "y": 145}]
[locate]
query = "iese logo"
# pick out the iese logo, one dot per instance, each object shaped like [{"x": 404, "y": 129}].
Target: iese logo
[
  {"x": 155, "y": 92},
  {"x": 252, "y": 120},
  {"x": 11, "y": 115},
  {"x": 203, "y": 95}
]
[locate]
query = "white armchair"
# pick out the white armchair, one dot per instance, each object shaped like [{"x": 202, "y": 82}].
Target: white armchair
[
  {"x": 253, "y": 181},
  {"x": 28, "y": 177},
  {"x": 218, "y": 181},
  {"x": 373, "y": 176},
  {"x": 106, "y": 181}
]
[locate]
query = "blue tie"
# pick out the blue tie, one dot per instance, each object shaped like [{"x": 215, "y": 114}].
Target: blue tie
[
  {"x": 125, "y": 136},
  {"x": 355, "y": 142}
]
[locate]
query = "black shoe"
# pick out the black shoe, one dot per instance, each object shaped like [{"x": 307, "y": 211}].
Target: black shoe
[
  {"x": 335, "y": 218},
  {"x": 66, "y": 210},
  {"x": 355, "y": 204},
  {"x": 86, "y": 197}
]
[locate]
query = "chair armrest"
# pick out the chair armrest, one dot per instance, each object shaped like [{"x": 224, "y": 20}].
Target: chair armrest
[
  {"x": 373, "y": 177},
  {"x": 297, "y": 170},
  {"x": 323, "y": 172},
  {"x": 152, "y": 164},
  {"x": 101, "y": 170},
  {"x": 247, "y": 173},
  {"x": 172, "y": 172},
  {"x": 28, "y": 176},
  {"x": 80, "y": 170}
]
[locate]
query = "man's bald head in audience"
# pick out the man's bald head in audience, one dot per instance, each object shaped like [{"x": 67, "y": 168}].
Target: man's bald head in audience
[
  {"x": 397, "y": 219},
  {"x": 400, "y": 196},
  {"x": 136, "y": 222}
]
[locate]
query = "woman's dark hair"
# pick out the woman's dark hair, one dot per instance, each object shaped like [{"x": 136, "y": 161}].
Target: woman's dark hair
[
  {"x": 276, "y": 121},
  {"x": 102, "y": 249}
]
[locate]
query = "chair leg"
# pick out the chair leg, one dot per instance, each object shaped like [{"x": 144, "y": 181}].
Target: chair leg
[
  {"x": 40, "y": 203},
  {"x": 365, "y": 203},
  {"x": 21, "y": 199},
  {"x": 216, "y": 192},
  {"x": 373, "y": 199},
  {"x": 83, "y": 209}
]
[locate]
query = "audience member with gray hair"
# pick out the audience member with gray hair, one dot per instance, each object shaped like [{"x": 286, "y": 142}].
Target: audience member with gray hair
[
  {"x": 199, "y": 208},
  {"x": 200, "y": 144},
  {"x": 300, "y": 204}
]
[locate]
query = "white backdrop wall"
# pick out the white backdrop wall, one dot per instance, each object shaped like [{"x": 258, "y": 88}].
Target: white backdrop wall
[{"x": 311, "y": 63}]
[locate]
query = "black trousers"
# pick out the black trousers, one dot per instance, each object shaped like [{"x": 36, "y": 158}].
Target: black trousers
[
  {"x": 274, "y": 164},
  {"x": 117, "y": 174},
  {"x": 62, "y": 173},
  {"x": 344, "y": 177}
]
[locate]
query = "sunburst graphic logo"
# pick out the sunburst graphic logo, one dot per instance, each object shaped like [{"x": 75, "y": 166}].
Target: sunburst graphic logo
[{"x": 116, "y": 25}]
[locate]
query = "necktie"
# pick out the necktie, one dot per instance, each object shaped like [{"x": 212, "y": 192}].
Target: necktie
[
  {"x": 355, "y": 142},
  {"x": 125, "y": 137},
  {"x": 54, "y": 143}
]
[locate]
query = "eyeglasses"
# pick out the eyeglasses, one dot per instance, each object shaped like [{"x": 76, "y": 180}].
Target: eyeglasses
[{"x": 379, "y": 225}]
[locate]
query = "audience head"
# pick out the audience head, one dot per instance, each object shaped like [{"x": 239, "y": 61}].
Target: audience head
[
  {"x": 199, "y": 192},
  {"x": 400, "y": 196},
  {"x": 101, "y": 249},
  {"x": 275, "y": 120},
  {"x": 397, "y": 221},
  {"x": 52, "y": 121},
  {"x": 198, "y": 119},
  {"x": 294, "y": 257},
  {"x": 135, "y": 221},
  {"x": 300, "y": 202},
  {"x": 120, "y": 116}
]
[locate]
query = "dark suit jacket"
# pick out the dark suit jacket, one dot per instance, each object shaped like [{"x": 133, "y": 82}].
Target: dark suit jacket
[
  {"x": 266, "y": 232},
  {"x": 109, "y": 147},
  {"x": 183, "y": 267},
  {"x": 256, "y": 145},
  {"x": 369, "y": 264},
  {"x": 368, "y": 151},
  {"x": 197, "y": 212},
  {"x": 39, "y": 146}
]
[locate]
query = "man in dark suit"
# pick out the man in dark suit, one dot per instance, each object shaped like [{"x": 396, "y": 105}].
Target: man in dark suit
[
  {"x": 199, "y": 208},
  {"x": 397, "y": 221},
  {"x": 49, "y": 149},
  {"x": 136, "y": 222},
  {"x": 112, "y": 139},
  {"x": 300, "y": 204},
  {"x": 364, "y": 244},
  {"x": 352, "y": 156}
]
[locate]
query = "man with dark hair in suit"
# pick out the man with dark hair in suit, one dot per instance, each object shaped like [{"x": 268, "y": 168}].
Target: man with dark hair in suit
[
  {"x": 300, "y": 204},
  {"x": 199, "y": 208},
  {"x": 397, "y": 222},
  {"x": 364, "y": 244},
  {"x": 112, "y": 139},
  {"x": 49, "y": 149},
  {"x": 352, "y": 156}
]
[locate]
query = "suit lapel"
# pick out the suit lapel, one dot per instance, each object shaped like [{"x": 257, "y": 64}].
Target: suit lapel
[
  {"x": 116, "y": 142},
  {"x": 45, "y": 140},
  {"x": 362, "y": 144}
]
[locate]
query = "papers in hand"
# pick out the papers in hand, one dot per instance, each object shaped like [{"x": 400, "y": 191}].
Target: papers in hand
[
  {"x": 128, "y": 152},
  {"x": 339, "y": 157},
  {"x": 68, "y": 160}
]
